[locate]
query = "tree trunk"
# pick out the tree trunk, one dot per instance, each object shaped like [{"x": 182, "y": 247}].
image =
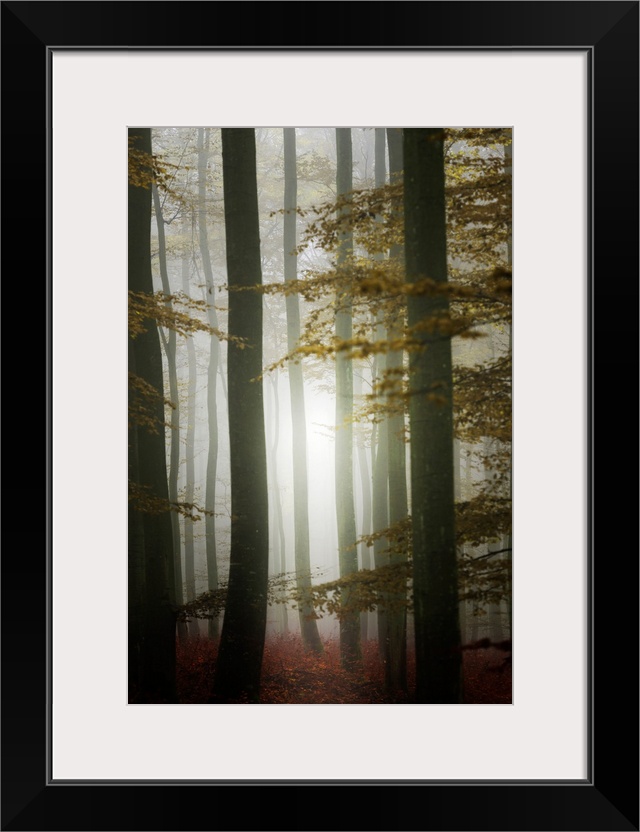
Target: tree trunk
[
  {"x": 136, "y": 586},
  {"x": 349, "y": 621},
  {"x": 437, "y": 626},
  {"x": 159, "y": 642},
  {"x": 212, "y": 377},
  {"x": 237, "y": 672},
  {"x": 396, "y": 666},
  {"x": 189, "y": 548},
  {"x": 279, "y": 543},
  {"x": 169, "y": 343},
  {"x": 308, "y": 626},
  {"x": 457, "y": 496},
  {"x": 380, "y": 489},
  {"x": 365, "y": 488},
  {"x": 380, "y": 522}
]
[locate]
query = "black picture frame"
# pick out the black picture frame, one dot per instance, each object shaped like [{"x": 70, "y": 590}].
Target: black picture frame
[{"x": 608, "y": 799}]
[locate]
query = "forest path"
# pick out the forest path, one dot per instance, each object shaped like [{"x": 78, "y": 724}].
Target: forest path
[{"x": 292, "y": 676}]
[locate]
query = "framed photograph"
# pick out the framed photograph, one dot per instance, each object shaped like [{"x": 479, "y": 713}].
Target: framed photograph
[{"x": 564, "y": 78}]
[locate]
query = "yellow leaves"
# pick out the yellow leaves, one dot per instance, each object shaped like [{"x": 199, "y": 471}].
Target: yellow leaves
[
  {"x": 367, "y": 213},
  {"x": 482, "y": 401},
  {"x": 311, "y": 349},
  {"x": 145, "y": 501},
  {"x": 144, "y": 400},
  {"x": 145, "y": 169},
  {"x": 170, "y": 311},
  {"x": 360, "y": 591},
  {"x": 397, "y": 536},
  {"x": 207, "y": 605},
  {"x": 377, "y": 279},
  {"x": 474, "y": 303}
]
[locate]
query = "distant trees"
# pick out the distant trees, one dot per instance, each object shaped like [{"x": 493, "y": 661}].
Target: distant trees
[
  {"x": 380, "y": 448},
  {"x": 169, "y": 344},
  {"x": 237, "y": 672},
  {"x": 350, "y": 620},
  {"x": 308, "y": 626}
]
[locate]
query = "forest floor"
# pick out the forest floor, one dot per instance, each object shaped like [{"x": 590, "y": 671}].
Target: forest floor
[{"x": 291, "y": 676}]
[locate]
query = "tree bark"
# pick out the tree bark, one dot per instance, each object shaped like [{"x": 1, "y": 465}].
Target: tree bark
[
  {"x": 350, "y": 650},
  {"x": 189, "y": 546},
  {"x": 159, "y": 628},
  {"x": 169, "y": 343},
  {"x": 212, "y": 377},
  {"x": 365, "y": 488},
  {"x": 396, "y": 668},
  {"x": 278, "y": 536},
  {"x": 136, "y": 588},
  {"x": 237, "y": 672},
  {"x": 437, "y": 627}
]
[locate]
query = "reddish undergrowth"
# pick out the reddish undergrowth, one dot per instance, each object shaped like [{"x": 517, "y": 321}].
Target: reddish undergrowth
[{"x": 292, "y": 676}]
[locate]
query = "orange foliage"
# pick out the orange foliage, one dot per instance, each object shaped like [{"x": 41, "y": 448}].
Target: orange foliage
[{"x": 291, "y": 676}]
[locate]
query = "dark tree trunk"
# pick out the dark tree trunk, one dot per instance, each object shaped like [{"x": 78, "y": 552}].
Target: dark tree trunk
[
  {"x": 396, "y": 667},
  {"x": 237, "y": 673},
  {"x": 157, "y": 657},
  {"x": 308, "y": 626},
  {"x": 349, "y": 622},
  {"x": 435, "y": 579},
  {"x": 135, "y": 562}
]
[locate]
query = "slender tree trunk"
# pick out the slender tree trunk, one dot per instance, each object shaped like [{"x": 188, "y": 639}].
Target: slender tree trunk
[
  {"x": 189, "y": 547},
  {"x": 238, "y": 668},
  {"x": 159, "y": 642},
  {"x": 212, "y": 377},
  {"x": 380, "y": 489},
  {"x": 279, "y": 543},
  {"x": 372, "y": 617},
  {"x": 308, "y": 626},
  {"x": 457, "y": 494},
  {"x": 435, "y": 578},
  {"x": 365, "y": 487},
  {"x": 380, "y": 522},
  {"x": 471, "y": 618},
  {"x": 349, "y": 622},
  {"x": 493, "y": 619},
  {"x": 169, "y": 343}
]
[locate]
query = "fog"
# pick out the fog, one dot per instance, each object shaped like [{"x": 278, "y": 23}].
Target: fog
[{"x": 481, "y": 449}]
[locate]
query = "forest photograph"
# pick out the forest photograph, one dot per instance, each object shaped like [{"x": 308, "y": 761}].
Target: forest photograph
[{"x": 319, "y": 415}]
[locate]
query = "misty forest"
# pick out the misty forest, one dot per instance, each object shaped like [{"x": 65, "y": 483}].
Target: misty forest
[{"x": 319, "y": 420}]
